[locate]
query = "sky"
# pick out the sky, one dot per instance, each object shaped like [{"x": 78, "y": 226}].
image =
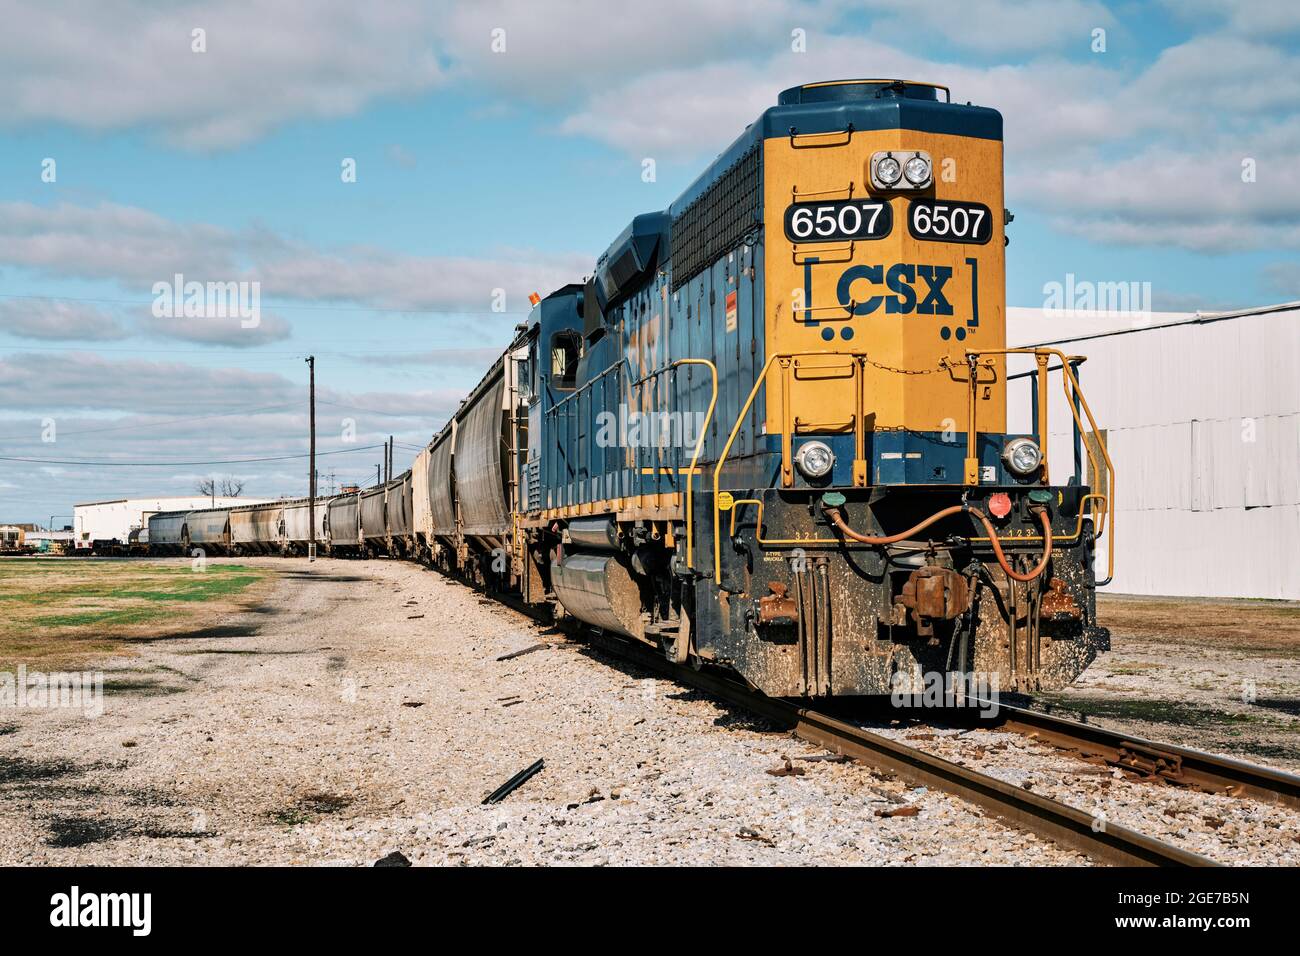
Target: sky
[{"x": 397, "y": 177}]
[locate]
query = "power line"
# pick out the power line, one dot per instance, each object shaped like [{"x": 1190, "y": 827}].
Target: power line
[
  {"x": 283, "y": 308},
  {"x": 172, "y": 421},
  {"x": 251, "y": 353},
  {"x": 372, "y": 411},
  {"x": 169, "y": 464}
]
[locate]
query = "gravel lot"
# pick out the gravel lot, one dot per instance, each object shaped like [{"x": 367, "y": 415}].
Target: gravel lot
[
  {"x": 1218, "y": 675},
  {"x": 360, "y": 710}
]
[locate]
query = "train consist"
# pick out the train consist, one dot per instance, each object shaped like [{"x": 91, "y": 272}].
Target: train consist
[{"x": 770, "y": 431}]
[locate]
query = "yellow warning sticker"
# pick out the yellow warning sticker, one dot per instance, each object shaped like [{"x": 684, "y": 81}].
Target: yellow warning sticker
[{"x": 725, "y": 500}]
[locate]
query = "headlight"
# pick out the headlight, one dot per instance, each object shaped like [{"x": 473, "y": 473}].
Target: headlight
[
  {"x": 917, "y": 170},
  {"x": 814, "y": 459},
  {"x": 888, "y": 170},
  {"x": 902, "y": 169},
  {"x": 1022, "y": 456}
]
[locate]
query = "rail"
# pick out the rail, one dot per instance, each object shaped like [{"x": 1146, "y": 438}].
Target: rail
[
  {"x": 1052, "y": 819},
  {"x": 1154, "y": 760}
]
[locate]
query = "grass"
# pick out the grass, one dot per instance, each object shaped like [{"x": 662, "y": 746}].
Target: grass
[
  {"x": 1154, "y": 711},
  {"x": 54, "y": 614}
]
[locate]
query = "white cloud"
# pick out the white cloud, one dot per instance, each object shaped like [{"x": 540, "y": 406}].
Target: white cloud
[
  {"x": 1285, "y": 278},
  {"x": 136, "y": 248},
  {"x": 1260, "y": 18},
  {"x": 59, "y": 320},
  {"x": 213, "y": 330},
  {"x": 75, "y": 382},
  {"x": 1049, "y": 105},
  {"x": 555, "y": 51},
  {"x": 81, "y": 380},
  {"x": 1001, "y": 27},
  {"x": 1152, "y": 157},
  {"x": 122, "y": 64},
  {"x": 475, "y": 358}
]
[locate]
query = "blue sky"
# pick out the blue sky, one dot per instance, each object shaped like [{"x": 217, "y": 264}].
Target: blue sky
[{"x": 480, "y": 170}]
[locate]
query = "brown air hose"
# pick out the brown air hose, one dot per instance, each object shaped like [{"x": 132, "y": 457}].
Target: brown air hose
[{"x": 837, "y": 519}]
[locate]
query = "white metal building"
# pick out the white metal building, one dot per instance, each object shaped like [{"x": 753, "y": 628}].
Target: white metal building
[
  {"x": 1201, "y": 414},
  {"x": 112, "y": 521}
]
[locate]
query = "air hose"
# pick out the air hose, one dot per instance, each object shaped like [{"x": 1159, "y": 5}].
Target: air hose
[{"x": 837, "y": 519}]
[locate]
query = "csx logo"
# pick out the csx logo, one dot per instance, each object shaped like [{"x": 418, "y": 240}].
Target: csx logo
[{"x": 916, "y": 289}]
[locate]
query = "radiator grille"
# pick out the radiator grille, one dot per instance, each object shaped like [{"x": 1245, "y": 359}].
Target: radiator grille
[{"x": 718, "y": 220}]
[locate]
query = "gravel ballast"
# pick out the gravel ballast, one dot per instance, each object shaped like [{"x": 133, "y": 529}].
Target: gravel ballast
[{"x": 333, "y": 724}]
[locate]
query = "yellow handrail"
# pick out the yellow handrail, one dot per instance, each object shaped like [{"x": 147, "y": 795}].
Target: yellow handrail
[
  {"x": 695, "y": 458},
  {"x": 785, "y": 358},
  {"x": 1070, "y": 384}
]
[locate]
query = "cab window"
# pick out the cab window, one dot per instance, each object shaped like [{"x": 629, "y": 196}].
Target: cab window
[{"x": 566, "y": 349}]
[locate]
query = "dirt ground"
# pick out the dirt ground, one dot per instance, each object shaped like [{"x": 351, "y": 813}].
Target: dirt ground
[
  {"x": 59, "y": 613},
  {"x": 1219, "y": 675},
  {"x": 340, "y": 711},
  {"x": 364, "y": 708}
]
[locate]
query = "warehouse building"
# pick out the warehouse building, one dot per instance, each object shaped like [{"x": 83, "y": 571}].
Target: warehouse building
[
  {"x": 107, "y": 525},
  {"x": 1201, "y": 415}
]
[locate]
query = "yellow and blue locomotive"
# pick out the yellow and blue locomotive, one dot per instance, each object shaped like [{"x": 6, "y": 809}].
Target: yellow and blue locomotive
[{"x": 770, "y": 431}]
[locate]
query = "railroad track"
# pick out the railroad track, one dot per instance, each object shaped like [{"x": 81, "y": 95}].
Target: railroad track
[
  {"x": 1051, "y": 819},
  {"x": 1059, "y": 822},
  {"x": 1158, "y": 762}
]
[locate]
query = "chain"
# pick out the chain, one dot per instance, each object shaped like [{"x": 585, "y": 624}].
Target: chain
[{"x": 943, "y": 366}]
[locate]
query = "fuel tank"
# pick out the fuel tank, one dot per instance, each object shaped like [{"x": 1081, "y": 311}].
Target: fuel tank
[{"x": 598, "y": 589}]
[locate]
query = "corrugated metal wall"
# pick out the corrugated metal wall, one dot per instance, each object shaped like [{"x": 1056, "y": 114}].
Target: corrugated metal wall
[{"x": 1202, "y": 419}]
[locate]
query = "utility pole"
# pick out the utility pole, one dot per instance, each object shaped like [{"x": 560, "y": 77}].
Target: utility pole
[
  {"x": 311, "y": 474},
  {"x": 379, "y": 474}
]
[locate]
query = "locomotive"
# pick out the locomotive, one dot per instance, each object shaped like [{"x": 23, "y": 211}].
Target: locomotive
[{"x": 770, "y": 432}]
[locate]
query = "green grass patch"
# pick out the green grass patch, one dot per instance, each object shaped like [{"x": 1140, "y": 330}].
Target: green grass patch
[
  {"x": 129, "y": 615},
  {"x": 55, "y": 610},
  {"x": 1153, "y": 711}
]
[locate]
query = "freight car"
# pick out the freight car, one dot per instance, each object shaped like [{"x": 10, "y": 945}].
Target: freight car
[
  {"x": 257, "y": 529},
  {"x": 399, "y": 511},
  {"x": 166, "y": 532},
  {"x": 343, "y": 525},
  {"x": 771, "y": 431},
  {"x": 208, "y": 529},
  {"x": 374, "y": 520},
  {"x": 298, "y": 525}
]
